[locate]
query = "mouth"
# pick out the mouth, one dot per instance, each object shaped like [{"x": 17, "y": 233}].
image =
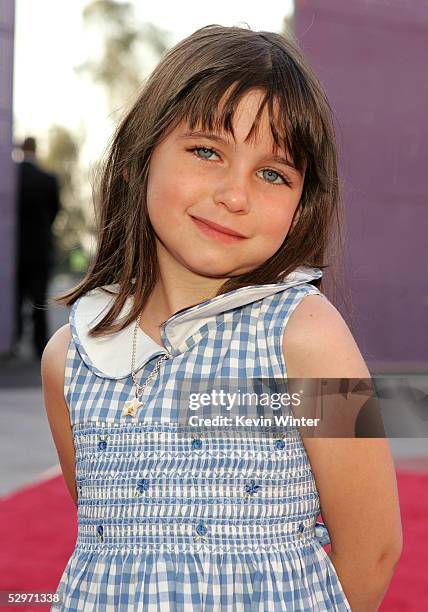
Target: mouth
[{"x": 219, "y": 232}]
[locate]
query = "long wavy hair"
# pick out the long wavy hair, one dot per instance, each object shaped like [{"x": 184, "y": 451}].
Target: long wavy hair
[{"x": 214, "y": 63}]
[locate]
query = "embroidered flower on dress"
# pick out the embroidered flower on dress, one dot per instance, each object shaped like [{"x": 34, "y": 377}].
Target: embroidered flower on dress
[
  {"x": 201, "y": 531},
  {"x": 196, "y": 443},
  {"x": 142, "y": 485},
  {"x": 251, "y": 488},
  {"x": 102, "y": 444}
]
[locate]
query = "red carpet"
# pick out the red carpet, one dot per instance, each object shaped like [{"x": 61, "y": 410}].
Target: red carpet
[
  {"x": 38, "y": 530},
  {"x": 408, "y": 589}
]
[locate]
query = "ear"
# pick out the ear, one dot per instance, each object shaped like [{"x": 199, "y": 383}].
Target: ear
[{"x": 125, "y": 175}]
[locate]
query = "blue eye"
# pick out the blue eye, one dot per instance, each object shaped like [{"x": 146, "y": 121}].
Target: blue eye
[
  {"x": 269, "y": 171},
  {"x": 205, "y": 150},
  {"x": 275, "y": 175}
]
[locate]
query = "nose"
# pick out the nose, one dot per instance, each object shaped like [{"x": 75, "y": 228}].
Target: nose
[{"x": 232, "y": 192}]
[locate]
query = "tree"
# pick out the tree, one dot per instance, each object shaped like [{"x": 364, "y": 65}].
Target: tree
[
  {"x": 71, "y": 227},
  {"x": 126, "y": 46}
]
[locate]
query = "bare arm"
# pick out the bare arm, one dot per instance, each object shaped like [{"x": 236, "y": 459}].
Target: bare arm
[
  {"x": 52, "y": 370},
  {"x": 355, "y": 477}
]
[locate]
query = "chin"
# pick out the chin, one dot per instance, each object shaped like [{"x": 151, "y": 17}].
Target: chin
[
  {"x": 212, "y": 268},
  {"x": 216, "y": 271}
]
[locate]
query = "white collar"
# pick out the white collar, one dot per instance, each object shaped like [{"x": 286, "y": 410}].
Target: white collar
[{"x": 110, "y": 356}]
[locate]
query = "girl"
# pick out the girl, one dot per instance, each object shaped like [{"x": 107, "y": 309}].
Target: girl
[{"x": 216, "y": 204}]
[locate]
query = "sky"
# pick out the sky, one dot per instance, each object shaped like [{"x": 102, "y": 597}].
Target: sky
[{"x": 50, "y": 41}]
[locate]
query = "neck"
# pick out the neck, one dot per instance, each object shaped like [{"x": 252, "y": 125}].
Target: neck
[
  {"x": 29, "y": 156},
  {"x": 178, "y": 288}
]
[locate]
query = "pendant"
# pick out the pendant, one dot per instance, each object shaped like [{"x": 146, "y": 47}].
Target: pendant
[{"x": 131, "y": 407}]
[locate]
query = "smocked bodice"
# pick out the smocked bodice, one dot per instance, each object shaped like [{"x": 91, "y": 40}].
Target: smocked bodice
[{"x": 165, "y": 488}]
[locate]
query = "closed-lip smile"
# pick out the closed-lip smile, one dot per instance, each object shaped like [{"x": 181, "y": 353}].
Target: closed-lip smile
[{"x": 219, "y": 228}]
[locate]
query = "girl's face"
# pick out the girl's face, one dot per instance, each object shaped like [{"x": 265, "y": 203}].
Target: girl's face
[{"x": 240, "y": 186}]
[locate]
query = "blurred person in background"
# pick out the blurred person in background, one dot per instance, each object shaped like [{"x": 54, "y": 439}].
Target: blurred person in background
[{"x": 38, "y": 203}]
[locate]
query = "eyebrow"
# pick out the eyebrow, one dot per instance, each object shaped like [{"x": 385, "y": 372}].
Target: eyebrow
[{"x": 212, "y": 136}]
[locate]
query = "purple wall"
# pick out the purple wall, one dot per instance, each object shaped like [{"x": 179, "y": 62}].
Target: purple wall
[
  {"x": 371, "y": 59},
  {"x": 7, "y": 177}
]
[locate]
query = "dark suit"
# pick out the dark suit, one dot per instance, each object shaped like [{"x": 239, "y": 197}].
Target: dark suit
[{"x": 38, "y": 204}]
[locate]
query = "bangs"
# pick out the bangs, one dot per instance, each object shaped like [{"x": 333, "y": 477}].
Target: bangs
[{"x": 295, "y": 126}]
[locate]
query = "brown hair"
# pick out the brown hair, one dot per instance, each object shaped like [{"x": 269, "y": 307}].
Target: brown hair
[{"x": 188, "y": 83}]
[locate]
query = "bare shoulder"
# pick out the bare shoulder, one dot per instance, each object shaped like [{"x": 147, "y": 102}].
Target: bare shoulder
[
  {"x": 317, "y": 342},
  {"x": 53, "y": 366},
  {"x": 52, "y": 371},
  {"x": 319, "y": 353},
  {"x": 54, "y": 355}
]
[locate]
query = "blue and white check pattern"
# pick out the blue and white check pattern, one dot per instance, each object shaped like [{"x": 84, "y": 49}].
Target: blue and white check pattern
[{"x": 173, "y": 520}]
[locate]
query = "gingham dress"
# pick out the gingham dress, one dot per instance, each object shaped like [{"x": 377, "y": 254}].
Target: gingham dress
[{"x": 173, "y": 520}]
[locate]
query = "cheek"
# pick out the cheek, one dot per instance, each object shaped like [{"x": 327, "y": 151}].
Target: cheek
[
  {"x": 160, "y": 200},
  {"x": 169, "y": 189},
  {"x": 275, "y": 221}
]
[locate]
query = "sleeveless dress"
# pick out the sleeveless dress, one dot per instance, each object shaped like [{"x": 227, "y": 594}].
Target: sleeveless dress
[{"x": 173, "y": 520}]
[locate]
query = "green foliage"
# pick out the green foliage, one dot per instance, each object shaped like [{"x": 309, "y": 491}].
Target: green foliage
[
  {"x": 62, "y": 159},
  {"x": 62, "y": 155}
]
